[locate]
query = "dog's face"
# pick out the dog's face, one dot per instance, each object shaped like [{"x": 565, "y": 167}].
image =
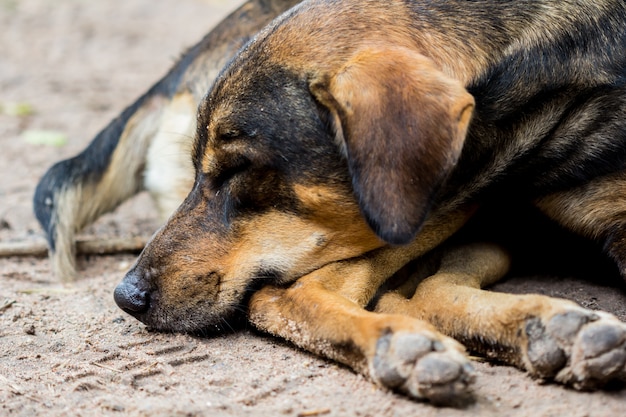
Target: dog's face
[
  {"x": 272, "y": 200},
  {"x": 295, "y": 169}
]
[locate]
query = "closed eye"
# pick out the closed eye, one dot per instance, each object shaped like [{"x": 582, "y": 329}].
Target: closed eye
[
  {"x": 230, "y": 134},
  {"x": 229, "y": 170}
]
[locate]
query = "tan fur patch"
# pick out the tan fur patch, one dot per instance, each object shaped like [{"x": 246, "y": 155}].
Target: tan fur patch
[{"x": 591, "y": 210}]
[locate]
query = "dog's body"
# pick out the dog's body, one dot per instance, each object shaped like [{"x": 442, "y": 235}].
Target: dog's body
[{"x": 347, "y": 128}]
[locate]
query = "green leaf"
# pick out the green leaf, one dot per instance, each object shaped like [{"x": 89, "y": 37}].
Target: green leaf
[
  {"x": 44, "y": 137},
  {"x": 17, "y": 109}
]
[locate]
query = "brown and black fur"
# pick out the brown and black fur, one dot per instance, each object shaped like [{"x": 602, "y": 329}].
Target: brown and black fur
[{"x": 349, "y": 138}]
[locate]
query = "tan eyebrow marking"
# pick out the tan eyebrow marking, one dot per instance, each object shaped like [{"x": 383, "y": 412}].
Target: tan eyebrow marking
[{"x": 209, "y": 160}]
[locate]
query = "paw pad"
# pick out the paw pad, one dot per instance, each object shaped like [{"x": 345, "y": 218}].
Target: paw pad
[
  {"x": 422, "y": 367},
  {"x": 578, "y": 348}
]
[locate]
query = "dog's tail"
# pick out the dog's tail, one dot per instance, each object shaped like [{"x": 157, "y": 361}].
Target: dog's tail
[
  {"x": 75, "y": 192},
  {"x": 147, "y": 147}
]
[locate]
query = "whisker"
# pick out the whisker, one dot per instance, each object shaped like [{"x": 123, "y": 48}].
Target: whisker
[{"x": 223, "y": 320}]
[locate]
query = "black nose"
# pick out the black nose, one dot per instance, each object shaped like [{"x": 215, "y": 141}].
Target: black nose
[{"x": 130, "y": 295}]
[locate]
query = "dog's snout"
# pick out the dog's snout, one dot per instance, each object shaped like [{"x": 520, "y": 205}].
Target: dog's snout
[{"x": 130, "y": 295}]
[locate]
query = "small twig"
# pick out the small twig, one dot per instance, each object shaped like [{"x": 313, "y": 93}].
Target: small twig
[
  {"x": 99, "y": 365},
  {"x": 36, "y": 248},
  {"x": 312, "y": 413},
  {"x": 112, "y": 246},
  {"x": 6, "y": 304},
  {"x": 15, "y": 389},
  {"x": 149, "y": 367},
  {"x": 18, "y": 391},
  {"x": 46, "y": 291}
]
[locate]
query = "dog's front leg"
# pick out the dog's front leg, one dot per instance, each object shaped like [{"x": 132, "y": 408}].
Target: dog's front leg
[
  {"x": 398, "y": 352},
  {"x": 551, "y": 338}
]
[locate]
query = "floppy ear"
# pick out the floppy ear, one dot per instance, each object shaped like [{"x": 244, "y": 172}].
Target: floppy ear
[{"x": 403, "y": 123}]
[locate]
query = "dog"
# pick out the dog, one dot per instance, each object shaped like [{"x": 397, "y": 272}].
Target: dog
[{"x": 349, "y": 138}]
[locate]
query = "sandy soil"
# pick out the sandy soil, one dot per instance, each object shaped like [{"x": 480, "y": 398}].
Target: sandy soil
[{"x": 65, "y": 349}]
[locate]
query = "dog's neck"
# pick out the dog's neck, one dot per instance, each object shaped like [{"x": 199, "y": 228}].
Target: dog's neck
[{"x": 323, "y": 34}]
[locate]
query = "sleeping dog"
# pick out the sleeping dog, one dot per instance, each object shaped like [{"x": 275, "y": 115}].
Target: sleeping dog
[{"x": 349, "y": 138}]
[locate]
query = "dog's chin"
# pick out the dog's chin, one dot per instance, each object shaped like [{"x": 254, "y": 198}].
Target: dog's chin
[
  {"x": 195, "y": 321},
  {"x": 204, "y": 317},
  {"x": 214, "y": 328}
]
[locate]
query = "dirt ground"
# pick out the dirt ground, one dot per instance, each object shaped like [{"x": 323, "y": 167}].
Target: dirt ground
[{"x": 69, "y": 66}]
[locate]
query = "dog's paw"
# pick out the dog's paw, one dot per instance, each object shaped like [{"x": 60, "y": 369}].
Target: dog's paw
[
  {"x": 422, "y": 366},
  {"x": 579, "y": 348}
]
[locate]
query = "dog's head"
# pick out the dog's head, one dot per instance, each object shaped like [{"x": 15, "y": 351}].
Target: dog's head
[{"x": 301, "y": 159}]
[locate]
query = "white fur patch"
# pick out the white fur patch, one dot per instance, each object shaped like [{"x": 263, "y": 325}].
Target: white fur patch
[{"x": 169, "y": 172}]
